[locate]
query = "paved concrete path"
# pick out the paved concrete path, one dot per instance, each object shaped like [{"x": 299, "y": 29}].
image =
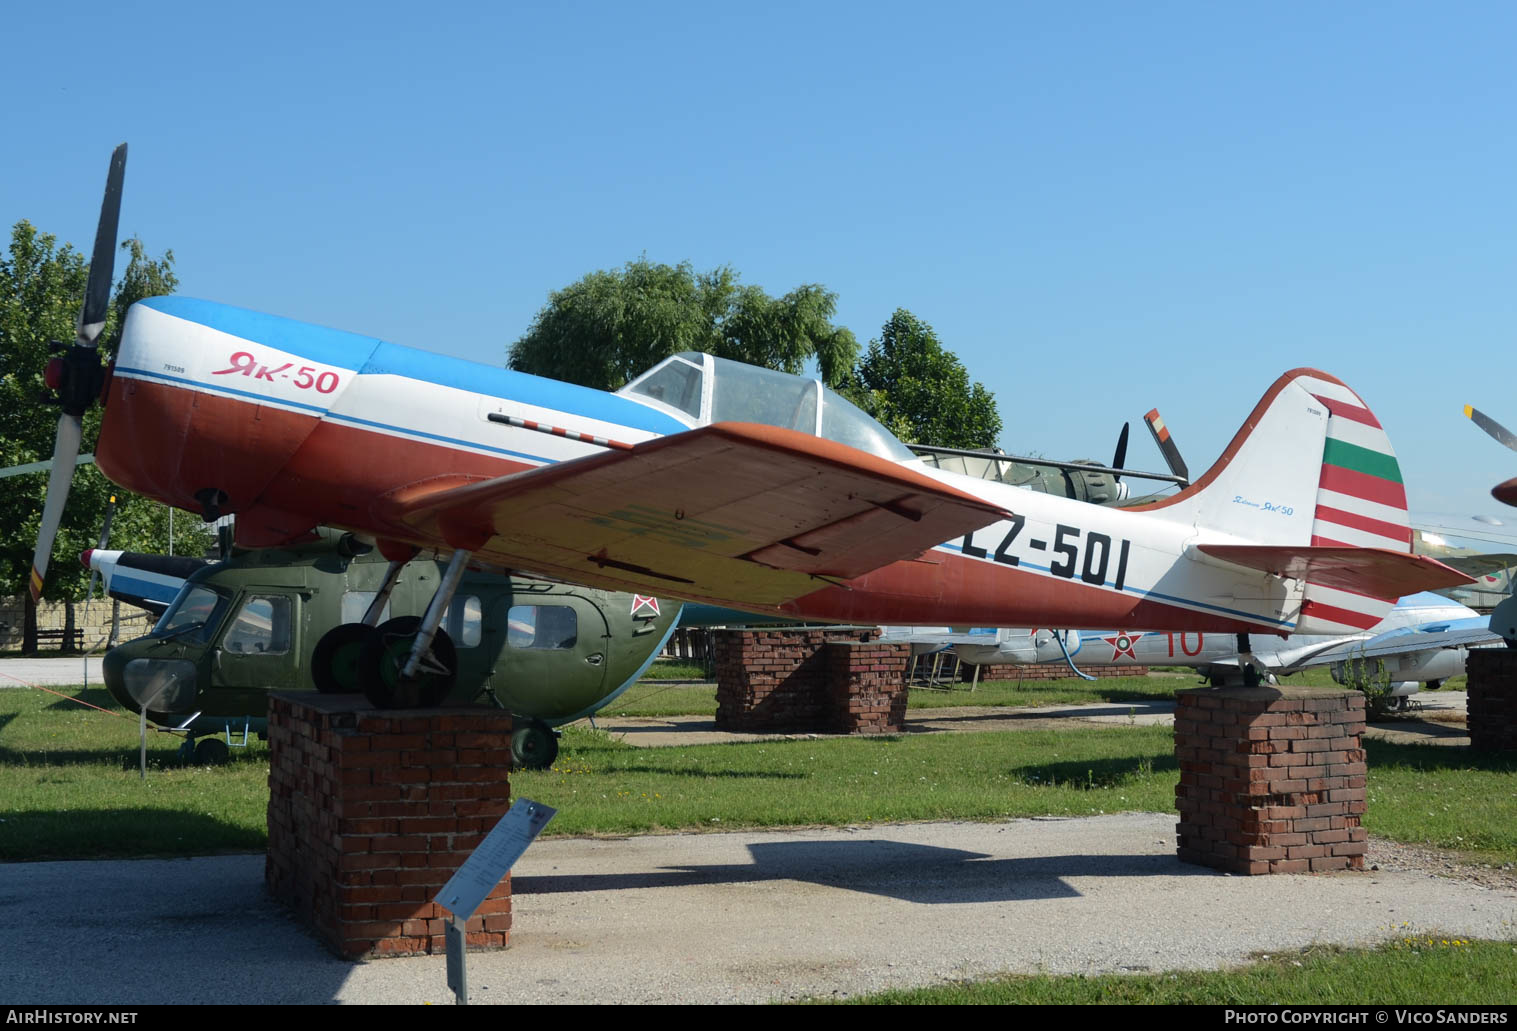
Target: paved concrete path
[{"x": 725, "y": 918}]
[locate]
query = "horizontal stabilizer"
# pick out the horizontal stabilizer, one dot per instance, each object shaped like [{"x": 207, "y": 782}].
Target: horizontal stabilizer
[{"x": 1377, "y": 572}]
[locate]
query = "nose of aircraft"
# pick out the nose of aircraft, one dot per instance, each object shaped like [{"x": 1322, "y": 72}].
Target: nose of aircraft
[{"x": 84, "y": 557}]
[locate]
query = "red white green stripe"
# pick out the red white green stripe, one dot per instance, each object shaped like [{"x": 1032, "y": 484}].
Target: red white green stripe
[{"x": 1361, "y": 502}]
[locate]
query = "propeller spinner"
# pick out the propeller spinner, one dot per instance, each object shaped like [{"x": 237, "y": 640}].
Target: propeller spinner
[{"x": 77, "y": 374}]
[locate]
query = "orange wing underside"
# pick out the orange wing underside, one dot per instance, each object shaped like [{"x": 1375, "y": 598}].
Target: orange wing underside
[{"x": 730, "y": 512}]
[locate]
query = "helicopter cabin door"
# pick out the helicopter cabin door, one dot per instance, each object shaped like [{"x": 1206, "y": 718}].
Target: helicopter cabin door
[
  {"x": 552, "y": 660},
  {"x": 259, "y": 647}
]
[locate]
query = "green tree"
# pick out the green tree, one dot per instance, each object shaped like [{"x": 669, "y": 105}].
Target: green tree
[
  {"x": 613, "y": 325},
  {"x": 41, "y": 287},
  {"x": 921, "y": 392}
]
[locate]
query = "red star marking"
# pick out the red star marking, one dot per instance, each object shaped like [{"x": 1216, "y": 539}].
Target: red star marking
[
  {"x": 641, "y": 602},
  {"x": 1122, "y": 644}
]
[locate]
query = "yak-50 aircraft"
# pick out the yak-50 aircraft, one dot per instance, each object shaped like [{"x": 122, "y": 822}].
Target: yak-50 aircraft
[{"x": 715, "y": 481}]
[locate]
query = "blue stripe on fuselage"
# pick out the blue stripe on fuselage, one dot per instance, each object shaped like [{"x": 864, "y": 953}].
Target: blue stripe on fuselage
[
  {"x": 373, "y": 357},
  {"x": 1130, "y": 589}
]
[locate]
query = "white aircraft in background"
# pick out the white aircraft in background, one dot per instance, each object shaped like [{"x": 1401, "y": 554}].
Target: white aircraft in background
[{"x": 1423, "y": 641}]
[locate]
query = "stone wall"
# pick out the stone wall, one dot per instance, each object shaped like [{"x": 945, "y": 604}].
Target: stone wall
[{"x": 93, "y": 618}]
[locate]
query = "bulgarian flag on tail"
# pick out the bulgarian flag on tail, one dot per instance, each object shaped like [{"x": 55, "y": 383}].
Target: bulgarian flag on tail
[{"x": 1361, "y": 502}]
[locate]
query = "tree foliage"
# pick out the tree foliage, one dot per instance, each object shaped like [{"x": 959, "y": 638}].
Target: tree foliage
[
  {"x": 921, "y": 392},
  {"x": 41, "y": 287},
  {"x": 614, "y": 325}
]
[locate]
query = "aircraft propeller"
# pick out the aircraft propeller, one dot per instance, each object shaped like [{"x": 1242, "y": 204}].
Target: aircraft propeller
[
  {"x": 1504, "y": 492},
  {"x": 76, "y": 373}
]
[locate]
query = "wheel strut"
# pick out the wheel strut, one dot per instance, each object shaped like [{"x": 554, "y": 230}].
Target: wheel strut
[{"x": 435, "y": 612}]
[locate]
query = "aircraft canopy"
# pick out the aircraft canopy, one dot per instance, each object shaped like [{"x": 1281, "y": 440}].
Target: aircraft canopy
[{"x": 701, "y": 389}]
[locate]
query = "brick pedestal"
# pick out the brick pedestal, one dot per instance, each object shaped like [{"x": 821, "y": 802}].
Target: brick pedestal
[
  {"x": 1046, "y": 671},
  {"x": 371, "y": 812},
  {"x": 1492, "y": 687},
  {"x": 868, "y": 686},
  {"x": 786, "y": 681},
  {"x": 1271, "y": 779}
]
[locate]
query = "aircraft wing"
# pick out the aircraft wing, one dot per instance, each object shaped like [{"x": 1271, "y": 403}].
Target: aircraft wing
[
  {"x": 1378, "y": 572},
  {"x": 1480, "y": 565},
  {"x": 1409, "y": 643},
  {"x": 732, "y": 512}
]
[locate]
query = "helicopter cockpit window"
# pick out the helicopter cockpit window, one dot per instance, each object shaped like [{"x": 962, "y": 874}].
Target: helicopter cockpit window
[
  {"x": 194, "y": 615},
  {"x": 465, "y": 624},
  {"x": 355, "y": 604},
  {"x": 262, "y": 627},
  {"x": 542, "y": 626}
]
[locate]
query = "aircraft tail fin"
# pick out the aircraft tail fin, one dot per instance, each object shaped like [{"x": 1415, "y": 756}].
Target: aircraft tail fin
[{"x": 1310, "y": 489}]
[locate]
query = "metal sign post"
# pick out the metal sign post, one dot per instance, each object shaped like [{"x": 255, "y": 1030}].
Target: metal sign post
[{"x": 479, "y": 875}]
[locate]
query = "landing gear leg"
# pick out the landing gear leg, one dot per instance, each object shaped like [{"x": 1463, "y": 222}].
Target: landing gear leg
[
  {"x": 412, "y": 663},
  {"x": 1249, "y": 664}
]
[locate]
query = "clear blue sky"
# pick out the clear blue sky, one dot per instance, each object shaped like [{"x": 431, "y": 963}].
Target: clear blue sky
[{"x": 1100, "y": 207}]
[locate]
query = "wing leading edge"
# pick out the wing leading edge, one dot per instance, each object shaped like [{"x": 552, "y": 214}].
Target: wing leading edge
[{"x": 724, "y": 512}]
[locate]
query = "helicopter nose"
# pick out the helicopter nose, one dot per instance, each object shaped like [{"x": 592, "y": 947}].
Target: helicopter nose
[{"x": 84, "y": 557}]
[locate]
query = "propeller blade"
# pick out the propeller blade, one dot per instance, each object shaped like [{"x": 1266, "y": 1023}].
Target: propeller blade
[
  {"x": 1166, "y": 444},
  {"x": 79, "y": 371},
  {"x": 1491, "y": 426},
  {"x": 97, "y": 293},
  {"x": 65, "y": 453},
  {"x": 1119, "y": 459}
]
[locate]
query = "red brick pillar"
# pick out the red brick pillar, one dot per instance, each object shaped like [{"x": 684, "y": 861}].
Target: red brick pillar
[
  {"x": 776, "y": 680},
  {"x": 1271, "y": 779},
  {"x": 1492, "y": 687},
  {"x": 1046, "y": 671},
  {"x": 371, "y": 812},
  {"x": 868, "y": 686}
]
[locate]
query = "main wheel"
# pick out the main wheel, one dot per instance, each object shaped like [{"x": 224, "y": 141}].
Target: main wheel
[
  {"x": 211, "y": 751},
  {"x": 385, "y": 652},
  {"x": 334, "y": 663},
  {"x": 534, "y": 746}
]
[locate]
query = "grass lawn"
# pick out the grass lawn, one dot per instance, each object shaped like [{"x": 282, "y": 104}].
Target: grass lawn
[
  {"x": 70, "y": 788},
  {"x": 1414, "y": 970}
]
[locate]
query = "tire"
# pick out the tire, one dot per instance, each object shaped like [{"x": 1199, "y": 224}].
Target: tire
[
  {"x": 383, "y": 655},
  {"x": 211, "y": 751},
  {"x": 334, "y": 663},
  {"x": 534, "y": 746}
]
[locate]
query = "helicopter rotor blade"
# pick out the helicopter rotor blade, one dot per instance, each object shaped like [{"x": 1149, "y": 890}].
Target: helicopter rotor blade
[{"x": 1166, "y": 444}]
